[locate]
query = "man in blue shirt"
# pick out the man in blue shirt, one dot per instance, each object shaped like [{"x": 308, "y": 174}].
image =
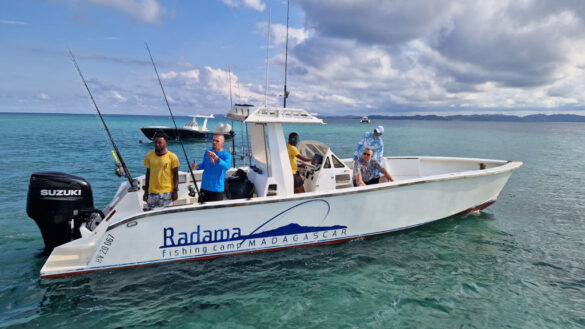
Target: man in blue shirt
[
  {"x": 215, "y": 163},
  {"x": 374, "y": 141}
]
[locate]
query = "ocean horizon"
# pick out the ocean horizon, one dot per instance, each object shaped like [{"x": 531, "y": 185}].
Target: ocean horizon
[{"x": 553, "y": 117}]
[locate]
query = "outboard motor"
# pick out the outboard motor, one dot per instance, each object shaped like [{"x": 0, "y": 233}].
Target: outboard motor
[{"x": 60, "y": 203}]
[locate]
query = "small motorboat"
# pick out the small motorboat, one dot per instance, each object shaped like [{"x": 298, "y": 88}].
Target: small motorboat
[
  {"x": 365, "y": 119},
  {"x": 191, "y": 131},
  {"x": 266, "y": 215}
]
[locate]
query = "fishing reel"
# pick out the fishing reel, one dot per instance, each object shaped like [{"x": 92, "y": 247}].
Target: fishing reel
[
  {"x": 119, "y": 171},
  {"x": 192, "y": 192}
]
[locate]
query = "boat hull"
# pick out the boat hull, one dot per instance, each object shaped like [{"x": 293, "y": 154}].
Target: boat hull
[
  {"x": 267, "y": 224},
  {"x": 184, "y": 134}
]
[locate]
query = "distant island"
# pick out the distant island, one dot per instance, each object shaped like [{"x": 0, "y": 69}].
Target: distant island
[
  {"x": 430, "y": 117},
  {"x": 477, "y": 117}
]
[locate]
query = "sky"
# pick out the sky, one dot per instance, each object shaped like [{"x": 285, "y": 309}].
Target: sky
[{"x": 345, "y": 57}]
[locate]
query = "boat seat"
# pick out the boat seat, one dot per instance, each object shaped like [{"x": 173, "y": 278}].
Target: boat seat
[
  {"x": 185, "y": 201},
  {"x": 180, "y": 202},
  {"x": 403, "y": 177}
]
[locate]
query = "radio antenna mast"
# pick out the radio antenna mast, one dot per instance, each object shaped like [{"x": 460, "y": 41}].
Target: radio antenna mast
[
  {"x": 285, "y": 96},
  {"x": 267, "y": 59}
]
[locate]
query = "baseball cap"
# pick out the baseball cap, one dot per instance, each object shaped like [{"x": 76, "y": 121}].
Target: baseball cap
[{"x": 379, "y": 130}]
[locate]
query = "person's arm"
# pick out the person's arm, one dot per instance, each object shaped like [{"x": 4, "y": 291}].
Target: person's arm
[
  {"x": 146, "y": 184},
  {"x": 388, "y": 176},
  {"x": 201, "y": 165},
  {"x": 357, "y": 174},
  {"x": 379, "y": 152},
  {"x": 304, "y": 158},
  {"x": 383, "y": 171},
  {"x": 359, "y": 181},
  {"x": 175, "y": 193},
  {"x": 359, "y": 148},
  {"x": 225, "y": 161}
]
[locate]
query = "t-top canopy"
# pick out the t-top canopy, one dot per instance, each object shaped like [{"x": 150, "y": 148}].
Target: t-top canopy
[{"x": 271, "y": 115}]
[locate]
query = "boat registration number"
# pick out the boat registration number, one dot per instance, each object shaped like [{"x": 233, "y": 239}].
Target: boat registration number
[{"x": 105, "y": 247}]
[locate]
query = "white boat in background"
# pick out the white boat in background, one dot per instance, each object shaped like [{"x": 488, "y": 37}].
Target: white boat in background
[
  {"x": 191, "y": 131},
  {"x": 332, "y": 210},
  {"x": 365, "y": 119}
]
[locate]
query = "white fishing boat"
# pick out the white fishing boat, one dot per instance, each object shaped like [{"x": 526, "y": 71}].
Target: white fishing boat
[
  {"x": 332, "y": 210},
  {"x": 365, "y": 119}
]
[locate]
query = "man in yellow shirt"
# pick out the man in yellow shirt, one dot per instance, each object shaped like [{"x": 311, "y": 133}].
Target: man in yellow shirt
[
  {"x": 293, "y": 155},
  {"x": 162, "y": 174}
]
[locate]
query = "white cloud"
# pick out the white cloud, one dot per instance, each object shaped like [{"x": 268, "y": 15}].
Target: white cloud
[
  {"x": 13, "y": 22},
  {"x": 187, "y": 77},
  {"x": 278, "y": 34},
  {"x": 146, "y": 11},
  {"x": 253, "y": 4},
  {"x": 390, "y": 56},
  {"x": 117, "y": 97},
  {"x": 417, "y": 54},
  {"x": 43, "y": 96}
]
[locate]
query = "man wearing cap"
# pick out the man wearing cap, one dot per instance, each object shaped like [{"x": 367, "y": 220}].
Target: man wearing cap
[{"x": 374, "y": 141}]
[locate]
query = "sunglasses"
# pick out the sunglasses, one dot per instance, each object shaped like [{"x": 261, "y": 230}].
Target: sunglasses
[
  {"x": 216, "y": 140},
  {"x": 368, "y": 154}
]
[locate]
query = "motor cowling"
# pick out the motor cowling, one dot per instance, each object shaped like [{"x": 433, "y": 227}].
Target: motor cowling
[{"x": 59, "y": 203}]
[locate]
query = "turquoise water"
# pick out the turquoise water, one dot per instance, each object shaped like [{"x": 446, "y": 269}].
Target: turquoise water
[{"x": 519, "y": 264}]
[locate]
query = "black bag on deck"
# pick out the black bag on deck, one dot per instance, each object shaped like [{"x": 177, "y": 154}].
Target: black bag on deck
[{"x": 238, "y": 186}]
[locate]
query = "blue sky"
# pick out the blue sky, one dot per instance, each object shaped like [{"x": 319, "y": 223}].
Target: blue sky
[{"x": 395, "y": 57}]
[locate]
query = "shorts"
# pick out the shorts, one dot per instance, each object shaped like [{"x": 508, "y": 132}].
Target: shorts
[
  {"x": 298, "y": 179},
  {"x": 374, "y": 180},
  {"x": 158, "y": 200},
  {"x": 207, "y": 196}
]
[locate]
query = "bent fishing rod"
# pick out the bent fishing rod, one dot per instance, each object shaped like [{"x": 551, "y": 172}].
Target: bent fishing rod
[
  {"x": 191, "y": 193},
  {"x": 133, "y": 187}
]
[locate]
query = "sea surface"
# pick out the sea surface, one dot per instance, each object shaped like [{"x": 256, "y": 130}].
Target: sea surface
[{"x": 518, "y": 264}]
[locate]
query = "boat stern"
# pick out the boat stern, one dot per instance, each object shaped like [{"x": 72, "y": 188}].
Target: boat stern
[{"x": 69, "y": 258}]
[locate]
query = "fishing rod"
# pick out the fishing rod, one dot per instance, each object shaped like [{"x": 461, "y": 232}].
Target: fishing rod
[
  {"x": 286, "y": 55},
  {"x": 191, "y": 192},
  {"x": 232, "y": 133},
  {"x": 267, "y": 58},
  {"x": 119, "y": 169},
  {"x": 133, "y": 186},
  {"x": 244, "y": 154}
]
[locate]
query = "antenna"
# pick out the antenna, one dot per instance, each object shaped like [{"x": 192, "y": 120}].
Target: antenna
[
  {"x": 230, "y": 76},
  {"x": 286, "y": 54},
  {"x": 267, "y": 58}
]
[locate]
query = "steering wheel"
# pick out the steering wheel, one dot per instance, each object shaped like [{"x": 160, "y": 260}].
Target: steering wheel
[{"x": 308, "y": 165}]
